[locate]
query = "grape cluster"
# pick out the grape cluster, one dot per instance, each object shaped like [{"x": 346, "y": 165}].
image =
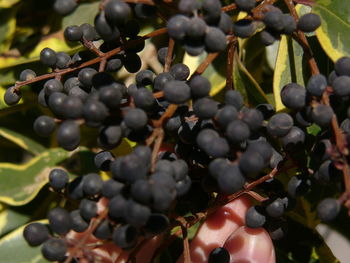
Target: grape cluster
[{"x": 217, "y": 147}]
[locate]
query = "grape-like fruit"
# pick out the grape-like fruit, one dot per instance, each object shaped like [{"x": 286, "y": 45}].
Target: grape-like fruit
[
  {"x": 230, "y": 179},
  {"x": 274, "y": 19},
  {"x": 59, "y": 220},
  {"x": 35, "y": 234},
  {"x": 44, "y": 125},
  {"x": 12, "y": 96},
  {"x": 73, "y": 33},
  {"x": 132, "y": 62},
  {"x": 156, "y": 223},
  {"x": 322, "y": 115},
  {"x": 276, "y": 208},
  {"x": 92, "y": 184},
  {"x": 317, "y": 85},
  {"x": 63, "y": 60},
  {"x": 177, "y": 92},
  {"x": 54, "y": 249},
  {"x": 237, "y": 131},
  {"x": 88, "y": 209},
  {"x": 205, "y": 108},
  {"x": 48, "y": 57},
  {"x": 117, "y": 11},
  {"x": 161, "y": 80},
  {"x": 251, "y": 163},
  {"x": 68, "y": 135},
  {"x": 234, "y": 98},
  {"x": 177, "y": 27},
  {"x": 294, "y": 138},
  {"x": 135, "y": 119},
  {"x": 211, "y": 10},
  {"x": 280, "y": 124},
  {"x": 215, "y": 40},
  {"x": 196, "y": 28},
  {"x": 188, "y": 6},
  {"x": 125, "y": 236},
  {"x": 27, "y": 74},
  {"x": 245, "y": 5},
  {"x": 136, "y": 214},
  {"x": 220, "y": 254},
  {"x": 255, "y": 218},
  {"x": 293, "y": 96},
  {"x": 111, "y": 188},
  {"x": 200, "y": 86},
  {"x": 107, "y": 31},
  {"x": 58, "y": 179},
  {"x": 179, "y": 71},
  {"x": 298, "y": 186},
  {"x": 342, "y": 67},
  {"x": 225, "y": 115},
  {"x": 78, "y": 223},
  {"x": 64, "y": 7},
  {"x": 328, "y": 209},
  {"x": 341, "y": 86},
  {"x": 289, "y": 24},
  {"x": 243, "y": 28},
  {"x": 309, "y": 22}
]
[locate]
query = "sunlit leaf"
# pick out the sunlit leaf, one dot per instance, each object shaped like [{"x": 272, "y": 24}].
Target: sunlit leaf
[
  {"x": 22, "y": 141},
  {"x": 333, "y": 33}
]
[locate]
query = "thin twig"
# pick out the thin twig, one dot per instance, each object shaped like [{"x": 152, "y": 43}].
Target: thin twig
[
  {"x": 229, "y": 68},
  {"x": 187, "y": 255},
  {"x": 169, "y": 56}
]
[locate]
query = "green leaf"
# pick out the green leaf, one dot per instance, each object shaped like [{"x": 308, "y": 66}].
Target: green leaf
[
  {"x": 8, "y": 3},
  {"x": 22, "y": 141},
  {"x": 24, "y": 181},
  {"x": 85, "y": 13},
  {"x": 333, "y": 34},
  {"x": 7, "y": 28},
  {"x": 11, "y": 219},
  {"x": 290, "y": 67},
  {"x": 14, "y": 249},
  {"x": 246, "y": 84}
]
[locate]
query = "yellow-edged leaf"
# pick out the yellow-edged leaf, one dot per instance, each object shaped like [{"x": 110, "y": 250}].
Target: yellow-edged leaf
[
  {"x": 14, "y": 249},
  {"x": 22, "y": 141},
  {"x": 23, "y": 182},
  {"x": 333, "y": 34}
]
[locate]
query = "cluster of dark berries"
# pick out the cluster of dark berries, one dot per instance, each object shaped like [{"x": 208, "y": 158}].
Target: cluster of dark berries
[
  {"x": 277, "y": 23},
  {"x": 216, "y": 147},
  {"x": 200, "y": 26}
]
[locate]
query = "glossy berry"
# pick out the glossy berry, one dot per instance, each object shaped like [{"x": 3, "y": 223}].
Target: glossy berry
[
  {"x": 27, "y": 74},
  {"x": 219, "y": 254},
  {"x": 59, "y": 220},
  {"x": 125, "y": 236},
  {"x": 298, "y": 186},
  {"x": 317, "y": 85},
  {"x": 48, "y": 57},
  {"x": 92, "y": 184},
  {"x": 54, "y": 249},
  {"x": 177, "y": 27},
  {"x": 245, "y": 5},
  {"x": 180, "y": 71},
  {"x": 215, "y": 40},
  {"x": 12, "y": 96},
  {"x": 280, "y": 124},
  {"x": 342, "y": 66},
  {"x": 64, "y": 7},
  {"x": 135, "y": 119},
  {"x": 341, "y": 86},
  {"x": 58, "y": 179},
  {"x": 243, "y": 28},
  {"x": 309, "y": 22},
  {"x": 293, "y": 96},
  {"x": 328, "y": 209},
  {"x": 177, "y": 92},
  {"x": 78, "y": 223},
  {"x": 255, "y": 218},
  {"x": 73, "y": 33},
  {"x": 68, "y": 135},
  {"x": 35, "y": 234},
  {"x": 322, "y": 115},
  {"x": 117, "y": 11},
  {"x": 44, "y": 125}
]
